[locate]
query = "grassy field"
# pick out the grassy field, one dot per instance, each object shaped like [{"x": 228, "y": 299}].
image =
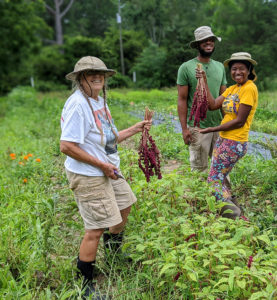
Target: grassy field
[{"x": 180, "y": 246}]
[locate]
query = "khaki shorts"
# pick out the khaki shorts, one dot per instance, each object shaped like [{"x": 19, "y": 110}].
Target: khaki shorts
[
  {"x": 100, "y": 199},
  {"x": 201, "y": 148}
]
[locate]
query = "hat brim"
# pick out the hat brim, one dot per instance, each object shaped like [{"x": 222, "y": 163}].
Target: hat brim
[
  {"x": 193, "y": 44},
  {"x": 226, "y": 62},
  {"x": 72, "y": 76}
]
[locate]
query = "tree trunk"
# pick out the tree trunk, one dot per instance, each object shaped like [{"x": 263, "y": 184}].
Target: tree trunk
[
  {"x": 58, "y": 24},
  {"x": 58, "y": 15}
]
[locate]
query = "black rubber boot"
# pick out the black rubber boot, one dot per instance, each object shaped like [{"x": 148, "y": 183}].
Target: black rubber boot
[
  {"x": 87, "y": 272},
  {"x": 112, "y": 247}
]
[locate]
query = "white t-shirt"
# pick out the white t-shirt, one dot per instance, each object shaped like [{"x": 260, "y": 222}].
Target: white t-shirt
[{"x": 78, "y": 126}]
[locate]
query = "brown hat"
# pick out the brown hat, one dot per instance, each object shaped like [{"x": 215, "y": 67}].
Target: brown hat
[
  {"x": 89, "y": 63},
  {"x": 202, "y": 33}
]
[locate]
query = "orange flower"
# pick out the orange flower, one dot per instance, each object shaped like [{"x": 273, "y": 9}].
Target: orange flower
[
  {"x": 26, "y": 157},
  {"x": 25, "y": 180},
  {"x": 38, "y": 159},
  {"x": 12, "y": 155},
  {"x": 21, "y": 163},
  {"x": 30, "y": 155}
]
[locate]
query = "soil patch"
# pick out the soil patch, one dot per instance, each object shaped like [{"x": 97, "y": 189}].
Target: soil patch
[{"x": 171, "y": 165}]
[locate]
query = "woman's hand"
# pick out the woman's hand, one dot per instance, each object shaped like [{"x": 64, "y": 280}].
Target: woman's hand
[
  {"x": 143, "y": 124},
  {"x": 206, "y": 130},
  {"x": 108, "y": 170},
  {"x": 138, "y": 127}
]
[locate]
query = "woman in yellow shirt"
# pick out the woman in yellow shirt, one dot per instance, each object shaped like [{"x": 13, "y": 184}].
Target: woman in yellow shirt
[{"x": 238, "y": 103}]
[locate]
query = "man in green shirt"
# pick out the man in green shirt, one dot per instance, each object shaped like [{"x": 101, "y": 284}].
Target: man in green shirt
[{"x": 200, "y": 145}]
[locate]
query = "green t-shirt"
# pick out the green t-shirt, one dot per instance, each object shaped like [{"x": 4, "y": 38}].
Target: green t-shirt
[{"x": 216, "y": 78}]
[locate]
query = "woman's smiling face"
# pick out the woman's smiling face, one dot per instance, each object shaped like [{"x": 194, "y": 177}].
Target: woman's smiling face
[
  {"x": 239, "y": 73},
  {"x": 95, "y": 79}
]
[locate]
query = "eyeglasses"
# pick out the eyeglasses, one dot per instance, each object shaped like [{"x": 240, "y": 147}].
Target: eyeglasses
[{"x": 92, "y": 72}]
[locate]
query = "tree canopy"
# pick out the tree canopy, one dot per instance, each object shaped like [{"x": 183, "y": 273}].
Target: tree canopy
[{"x": 161, "y": 27}]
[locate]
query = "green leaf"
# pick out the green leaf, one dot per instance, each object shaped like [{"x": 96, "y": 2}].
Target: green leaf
[
  {"x": 206, "y": 262},
  {"x": 241, "y": 283},
  {"x": 193, "y": 276},
  {"x": 211, "y": 203},
  {"x": 264, "y": 238},
  {"x": 166, "y": 267},
  {"x": 258, "y": 295},
  {"x": 222, "y": 280},
  {"x": 140, "y": 247},
  {"x": 148, "y": 262},
  {"x": 229, "y": 252},
  {"x": 223, "y": 287},
  {"x": 231, "y": 280}
]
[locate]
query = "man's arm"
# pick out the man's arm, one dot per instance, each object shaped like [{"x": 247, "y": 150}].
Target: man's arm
[
  {"x": 183, "y": 111},
  {"x": 222, "y": 89}
]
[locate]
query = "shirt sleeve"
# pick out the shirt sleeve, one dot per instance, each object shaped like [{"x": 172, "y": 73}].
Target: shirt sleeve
[
  {"x": 182, "y": 77},
  {"x": 226, "y": 92},
  {"x": 74, "y": 126},
  {"x": 248, "y": 96}
]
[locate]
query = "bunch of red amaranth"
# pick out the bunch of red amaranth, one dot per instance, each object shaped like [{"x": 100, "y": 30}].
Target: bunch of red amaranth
[
  {"x": 149, "y": 160},
  {"x": 200, "y": 104}
]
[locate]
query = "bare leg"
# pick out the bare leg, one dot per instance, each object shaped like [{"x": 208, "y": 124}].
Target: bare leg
[
  {"x": 89, "y": 244},
  {"x": 119, "y": 227}
]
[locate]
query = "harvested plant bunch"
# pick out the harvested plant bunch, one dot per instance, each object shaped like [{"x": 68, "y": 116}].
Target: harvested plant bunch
[
  {"x": 200, "y": 104},
  {"x": 149, "y": 160}
]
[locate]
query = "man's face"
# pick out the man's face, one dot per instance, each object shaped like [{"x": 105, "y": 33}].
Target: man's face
[{"x": 206, "y": 47}]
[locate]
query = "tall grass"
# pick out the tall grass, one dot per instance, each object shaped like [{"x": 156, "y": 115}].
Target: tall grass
[{"x": 180, "y": 246}]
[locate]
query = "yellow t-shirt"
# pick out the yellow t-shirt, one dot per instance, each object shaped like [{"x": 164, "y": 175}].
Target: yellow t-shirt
[{"x": 234, "y": 96}]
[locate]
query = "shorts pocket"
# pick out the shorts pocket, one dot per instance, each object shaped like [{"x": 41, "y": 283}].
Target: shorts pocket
[
  {"x": 98, "y": 210},
  {"x": 88, "y": 193}
]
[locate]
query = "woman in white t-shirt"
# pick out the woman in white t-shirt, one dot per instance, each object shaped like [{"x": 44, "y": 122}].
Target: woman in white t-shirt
[{"x": 89, "y": 139}]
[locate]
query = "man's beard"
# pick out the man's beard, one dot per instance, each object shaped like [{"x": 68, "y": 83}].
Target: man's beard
[{"x": 203, "y": 53}]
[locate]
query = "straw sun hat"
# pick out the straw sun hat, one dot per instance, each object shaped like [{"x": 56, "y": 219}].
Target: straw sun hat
[
  {"x": 240, "y": 56},
  {"x": 89, "y": 63},
  {"x": 202, "y": 33},
  {"x": 243, "y": 56}
]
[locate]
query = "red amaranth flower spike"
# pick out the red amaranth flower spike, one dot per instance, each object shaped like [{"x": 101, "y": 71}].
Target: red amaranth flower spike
[
  {"x": 190, "y": 236},
  {"x": 149, "y": 160},
  {"x": 244, "y": 218},
  {"x": 176, "y": 277},
  {"x": 250, "y": 260},
  {"x": 200, "y": 102}
]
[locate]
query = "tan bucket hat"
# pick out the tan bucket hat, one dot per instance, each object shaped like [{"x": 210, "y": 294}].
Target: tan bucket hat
[
  {"x": 240, "y": 56},
  {"x": 89, "y": 63},
  {"x": 202, "y": 33}
]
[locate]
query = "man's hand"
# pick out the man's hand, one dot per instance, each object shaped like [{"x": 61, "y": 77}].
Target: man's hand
[
  {"x": 187, "y": 136},
  {"x": 200, "y": 74}
]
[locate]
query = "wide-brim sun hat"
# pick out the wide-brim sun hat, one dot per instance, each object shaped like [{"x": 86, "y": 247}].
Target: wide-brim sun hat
[
  {"x": 87, "y": 63},
  {"x": 202, "y": 33},
  {"x": 240, "y": 56}
]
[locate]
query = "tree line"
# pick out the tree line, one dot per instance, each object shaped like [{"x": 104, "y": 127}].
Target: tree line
[{"x": 43, "y": 39}]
